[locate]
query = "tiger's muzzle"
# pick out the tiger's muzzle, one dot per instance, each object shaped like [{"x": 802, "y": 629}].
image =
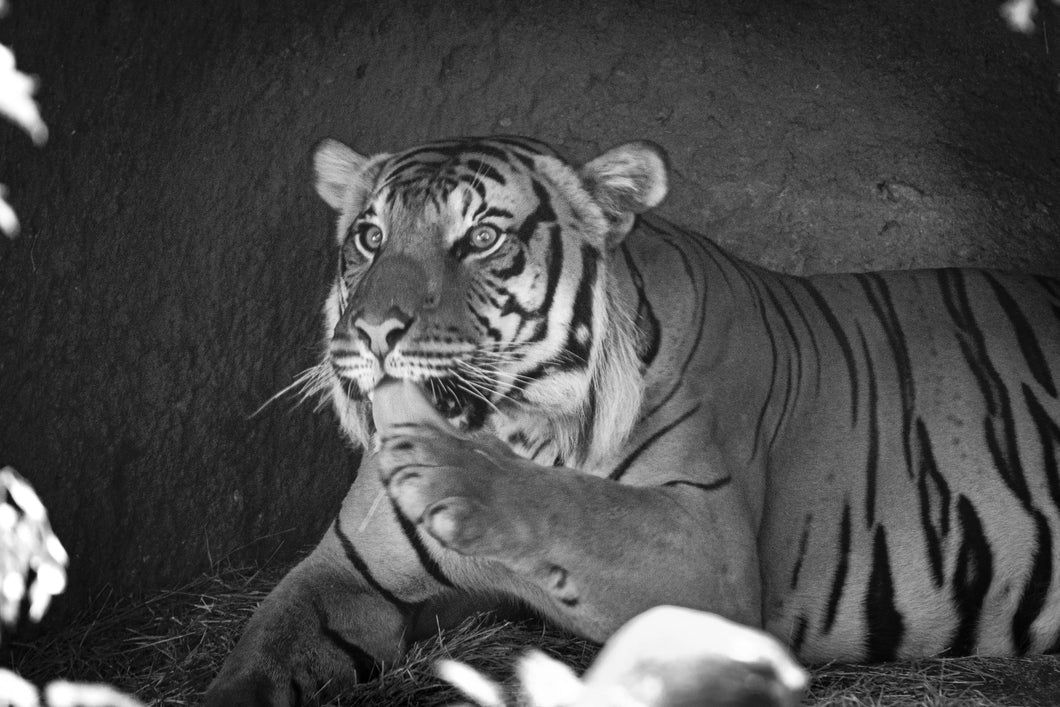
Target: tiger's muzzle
[{"x": 386, "y": 314}]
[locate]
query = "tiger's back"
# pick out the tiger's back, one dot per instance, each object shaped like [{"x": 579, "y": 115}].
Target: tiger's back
[
  {"x": 905, "y": 424},
  {"x": 939, "y": 471}
]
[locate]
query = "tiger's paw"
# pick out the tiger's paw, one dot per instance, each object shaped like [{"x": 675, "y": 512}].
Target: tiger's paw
[{"x": 465, "y": 492}]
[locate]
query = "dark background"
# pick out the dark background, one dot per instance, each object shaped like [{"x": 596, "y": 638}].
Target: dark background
[{"x": 174, "y": 258}]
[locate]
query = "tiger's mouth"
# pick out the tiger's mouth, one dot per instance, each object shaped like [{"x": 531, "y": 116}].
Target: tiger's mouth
[
  {"x": 452, "y": 401},
  {"x": 449, "y": 398}
]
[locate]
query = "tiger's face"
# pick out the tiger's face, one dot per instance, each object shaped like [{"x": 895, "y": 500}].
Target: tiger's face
[{"x": 477, "y": 267}]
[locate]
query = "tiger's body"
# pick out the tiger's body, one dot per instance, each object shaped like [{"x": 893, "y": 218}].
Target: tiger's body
[{"x": 864, "y": 464}]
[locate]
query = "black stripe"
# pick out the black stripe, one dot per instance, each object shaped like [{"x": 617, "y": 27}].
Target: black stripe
[
  {"x": 588, "y": 426},
  {"x": 576, "y": 352},
  {"x": 934, "y": 494},
  {"x": 647, "y": 322},
  {"x": 424, "y": 555},
  {"x": 365, "y": 666},
  {"x": 555, "y": 271},
  {"x": 712, "y": 486},
  {"x": 809, "y": 331},
  {"x": 844, "y": 345},
  {"x": 700, "y": 296},
  {"x": 1028, "y": 342},
  {"x": 786, "y": 405},
  {"x": 799, "y": 636},
  {"x": 717, "y": 254},
  {"x": 477, "y": 185},
  {"x": 511, "y": 305},
  {"x": 1005, "y": 455},
  {"x": 842, "y": 566},
  {"x": 796, "y": 345},
  {"x": 767, "y": 401},
  {"x": 516, "y": 267},
  {"x": 620, "y": 470},
  {"x": 417, "y": 162},
  {"x": 884, "y": 624},
  {"x": 486, "y": 326},
  {"x": 543, "y": 213},
  {"x": 883, "y": 308},
  {"x": 955, "y": 298},
  {"x": 492, "y": 211},
  {"x": 466, "y": 204},
  {"x": 793, "y": 381},
  {"x": 500, "y": 154},
  {"x": 1003, "y": 444},
  {"x": 971, "y": 578},
  {"x": 1049, "y": 436},
  {"x": 539, "y": 317},
  {"x": 481, "y": 169},
  {"x": 1037, "y": 590},
  {"x": 872, "y": 458},
  {"x": 804, "y": 542},
  {"x": 362, "y": 567},
  {"x": 525, "y": 160}
]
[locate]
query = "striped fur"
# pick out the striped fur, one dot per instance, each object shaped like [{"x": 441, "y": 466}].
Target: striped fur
[
  {"x": 864, "y": 464},
  {"x": 906, "y": 424},
  {"x": 524, "y": 335}
]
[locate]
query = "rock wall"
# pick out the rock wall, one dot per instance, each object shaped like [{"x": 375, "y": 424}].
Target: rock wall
[{"x": 174, "y": 257}]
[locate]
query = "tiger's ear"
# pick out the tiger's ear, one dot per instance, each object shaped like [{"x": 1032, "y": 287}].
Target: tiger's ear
[
  {"x": 338, "y": 169},
  {"x": 627, "y": 180}
]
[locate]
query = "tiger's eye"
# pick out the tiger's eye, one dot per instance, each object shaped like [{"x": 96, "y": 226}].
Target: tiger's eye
[
  {"x": 483, "y": 237},
  {"x": 370, "y": 238}
]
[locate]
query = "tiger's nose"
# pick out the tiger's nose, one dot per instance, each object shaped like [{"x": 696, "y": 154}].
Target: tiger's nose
[{"x": 381, "y": 334}]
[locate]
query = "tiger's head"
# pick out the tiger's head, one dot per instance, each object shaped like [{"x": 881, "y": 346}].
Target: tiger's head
[{"x": 481, "y": 268}]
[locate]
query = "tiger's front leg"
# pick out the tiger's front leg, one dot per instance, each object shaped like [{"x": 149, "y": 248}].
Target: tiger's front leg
[
  {"x": 589, "y": 552},
  {"x": 351, "y": 604}
]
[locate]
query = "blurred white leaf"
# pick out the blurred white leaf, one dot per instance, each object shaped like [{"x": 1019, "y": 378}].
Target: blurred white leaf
[
  {"x": 8, "y": 220},
  {"x": 27, "y": 545},
  {"x": 546, "y": 682},
  {"x": 475, "y": 686},
  {"x": 16, "y": 98},
  {"x": 17, "y": 104},
  {"x": 1020, "y": 14},
  {"x": 69, "y": 694},
  {"x": 15, "y": 691}
]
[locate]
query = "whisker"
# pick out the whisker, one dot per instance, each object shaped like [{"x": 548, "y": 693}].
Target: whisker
[
  {"x": 311, "y": 381},
  {"x": 475, "y": 393},
  {"x": 490, "y": 374},
  {"x": 484, "y": 390}
]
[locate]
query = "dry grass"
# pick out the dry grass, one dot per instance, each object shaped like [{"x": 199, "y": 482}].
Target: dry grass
[
  {"x": 920, "y": 684},
  {"x": 166, "y": 650}
]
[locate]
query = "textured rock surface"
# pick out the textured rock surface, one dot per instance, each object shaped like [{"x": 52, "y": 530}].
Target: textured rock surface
[{"x": 173, "y": 261}]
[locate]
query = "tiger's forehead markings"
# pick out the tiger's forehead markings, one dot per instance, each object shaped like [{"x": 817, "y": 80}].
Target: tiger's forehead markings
[
  {"x": 444, "y": 159},
  {"x": 451, "y": 174},
  {"x": 484, "y": 211}
]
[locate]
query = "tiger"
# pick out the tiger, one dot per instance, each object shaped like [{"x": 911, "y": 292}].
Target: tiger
[{"x": 865, "y": 465}]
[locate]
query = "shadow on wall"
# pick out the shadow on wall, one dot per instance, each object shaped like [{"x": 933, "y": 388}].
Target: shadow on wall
[{"x": 174, "y": 259}]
